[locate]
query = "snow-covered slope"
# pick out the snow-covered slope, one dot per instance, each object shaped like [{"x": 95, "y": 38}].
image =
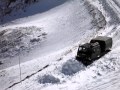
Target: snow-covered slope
[
  {"x": 23, "y": 8},
  {"x": 51, "y": 63},
  {"x": 64, "y": 26}
]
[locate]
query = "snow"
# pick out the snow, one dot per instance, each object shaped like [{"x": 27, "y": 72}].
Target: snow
[
  {"x": 60, "y": 25},
  {"x": 71, "y": 67},
  {"x": 52, "y": 64},
  {"x": 48, "y": 79},
  {"x": 27, "y": 68},
  {"x": 23, "y": 38}
]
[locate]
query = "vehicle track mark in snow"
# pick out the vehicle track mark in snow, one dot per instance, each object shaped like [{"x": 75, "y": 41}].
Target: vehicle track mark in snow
[
  {"x": 117, "y": 3},
  {"x": 27, "y": 77},
  {"x": 115, "y": 7},
  {"x": 109, "y": 82},
  {"x": 111, "y": 12}
]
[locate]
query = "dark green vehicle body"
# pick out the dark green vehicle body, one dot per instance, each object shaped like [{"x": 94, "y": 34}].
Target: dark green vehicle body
[
  {"x": 105, "y": 42},
  {"x": 88, "y": 52}
]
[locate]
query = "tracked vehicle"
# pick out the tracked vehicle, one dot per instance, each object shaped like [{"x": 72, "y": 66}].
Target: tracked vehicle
[{"x": 89, "y": 52}]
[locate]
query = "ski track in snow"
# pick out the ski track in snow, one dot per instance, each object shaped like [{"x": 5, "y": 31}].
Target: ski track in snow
[{"x": 64, "y": 72}]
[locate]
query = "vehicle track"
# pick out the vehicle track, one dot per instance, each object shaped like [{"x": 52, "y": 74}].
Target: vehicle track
[{"x": 114, "y": 6}]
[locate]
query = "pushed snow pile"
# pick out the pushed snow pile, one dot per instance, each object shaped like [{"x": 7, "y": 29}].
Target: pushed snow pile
[
  {"x": 12, "y": 41},
  {"x": 71, "y": 67},
  {"x": 48, "y": 79}
]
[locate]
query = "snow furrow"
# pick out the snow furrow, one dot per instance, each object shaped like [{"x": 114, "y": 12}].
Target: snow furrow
[{"x": 114, "y": 6}]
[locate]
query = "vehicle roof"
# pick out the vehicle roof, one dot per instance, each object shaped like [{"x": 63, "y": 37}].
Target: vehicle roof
[
  {"x": 86, "y": 45},
  {"x": 102, "y": 38}
]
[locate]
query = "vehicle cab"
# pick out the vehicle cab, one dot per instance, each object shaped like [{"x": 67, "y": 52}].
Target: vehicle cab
[{"x": 89, "y": 51}]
